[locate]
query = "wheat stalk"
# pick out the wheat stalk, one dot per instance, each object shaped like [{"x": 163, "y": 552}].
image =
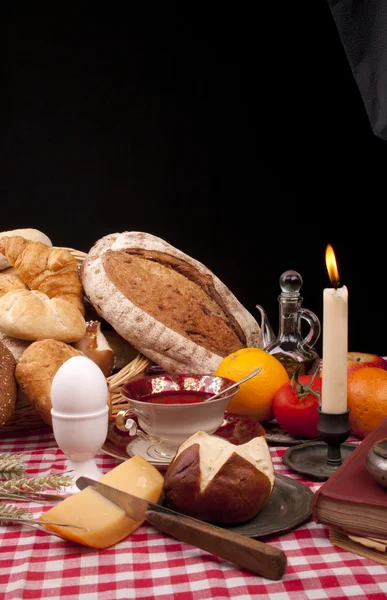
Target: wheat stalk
[
  {"x": 10, "y": 466},
  {"x": 35, "y": 484},
  {"x": 12, "y": 513},
  {"x": 13, "y": 486}
]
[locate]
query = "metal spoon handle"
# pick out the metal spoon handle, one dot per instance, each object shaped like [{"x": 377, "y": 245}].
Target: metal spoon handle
[{"x": 234, "y": 385}]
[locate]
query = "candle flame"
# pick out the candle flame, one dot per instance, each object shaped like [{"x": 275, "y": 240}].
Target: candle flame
[{"x": 333, "y": 272}]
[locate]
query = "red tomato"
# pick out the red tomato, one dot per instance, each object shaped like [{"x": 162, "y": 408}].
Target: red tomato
[{"x": 295, "y": 406}]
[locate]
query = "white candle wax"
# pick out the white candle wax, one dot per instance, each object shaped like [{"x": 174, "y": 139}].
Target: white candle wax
[{"x": 335, "y": 351}]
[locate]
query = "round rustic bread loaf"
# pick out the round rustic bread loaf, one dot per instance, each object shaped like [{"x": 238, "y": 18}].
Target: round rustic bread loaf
[
  {"x": 169, "y": 306},
  {"x": 8, "y": 388},
  {"x": 213, "y": 480}
]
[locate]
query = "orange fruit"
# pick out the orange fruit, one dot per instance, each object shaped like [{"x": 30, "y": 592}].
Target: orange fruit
[
  {"x": 367, "y": 399},
  {"x": 255, "y": 396}
]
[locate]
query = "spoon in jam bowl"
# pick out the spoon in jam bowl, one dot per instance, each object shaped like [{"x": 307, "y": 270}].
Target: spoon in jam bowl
[
  {"x": 169, "y": 416},
  {"x": 234, "y": 385}
]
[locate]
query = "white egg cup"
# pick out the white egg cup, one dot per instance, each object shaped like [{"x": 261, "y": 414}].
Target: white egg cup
[
  {"x": 80, "y": 437},
  {"x": 80, "y": 415}
]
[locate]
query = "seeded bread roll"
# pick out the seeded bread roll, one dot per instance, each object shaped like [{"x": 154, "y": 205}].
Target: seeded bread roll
[
  {"x": 8, "y": 389},
  {"x": 166, "y": 304}
]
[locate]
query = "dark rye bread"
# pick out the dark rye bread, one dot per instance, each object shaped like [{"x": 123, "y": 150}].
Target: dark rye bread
[
  {"x": 166, "y": 304},
  {"x": 8, "y": 389}
]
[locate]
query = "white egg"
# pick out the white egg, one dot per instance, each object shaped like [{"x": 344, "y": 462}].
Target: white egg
[{"x": 79, "y": 386}]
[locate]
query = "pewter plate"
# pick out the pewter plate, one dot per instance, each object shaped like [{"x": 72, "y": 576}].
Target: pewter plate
[
  {"x": 276, "y": 436},
  {"x": 311, "y": 459},
  {"x": 289, "y": 505}
]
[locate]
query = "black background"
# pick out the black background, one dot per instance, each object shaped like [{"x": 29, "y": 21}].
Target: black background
[{"x": 237, "y": 135}]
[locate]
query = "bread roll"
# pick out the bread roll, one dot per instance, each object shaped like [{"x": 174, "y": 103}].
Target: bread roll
[
  {"x": 36, "y": 369},
  {"x": 8, "y": 389},
  {"x": 166, "y": 304},
  {"x": 14, "y": 345},
  {"x": 30, "y": 315},
  {"x": 213, "y": 480},
  {"x": 29, "y": 234},
  {"x": 94, "y": 345}
]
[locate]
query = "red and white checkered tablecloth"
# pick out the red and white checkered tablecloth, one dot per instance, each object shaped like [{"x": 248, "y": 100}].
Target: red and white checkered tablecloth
[{"x": 149, "y": 564}]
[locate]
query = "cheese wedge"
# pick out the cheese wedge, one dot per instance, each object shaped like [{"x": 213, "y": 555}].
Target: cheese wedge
[{"x": 104, "y": 523}]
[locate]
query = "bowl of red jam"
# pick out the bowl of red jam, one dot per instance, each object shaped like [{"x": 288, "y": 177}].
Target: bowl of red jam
[{"x": 172, "y": 408}]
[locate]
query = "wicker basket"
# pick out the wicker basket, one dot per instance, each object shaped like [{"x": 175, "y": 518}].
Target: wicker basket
[{"x": 26, "y": 418}]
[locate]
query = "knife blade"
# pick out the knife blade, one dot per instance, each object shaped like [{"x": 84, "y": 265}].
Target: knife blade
[{"x": 248, "y": 553}]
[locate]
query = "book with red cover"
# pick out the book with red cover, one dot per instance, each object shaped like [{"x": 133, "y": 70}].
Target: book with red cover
[{"x": 351, "y": 500}]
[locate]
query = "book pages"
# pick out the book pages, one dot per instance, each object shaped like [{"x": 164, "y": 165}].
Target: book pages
[
  {"x": 379, "y": 545},
  {"x": 346, "y": 543}
]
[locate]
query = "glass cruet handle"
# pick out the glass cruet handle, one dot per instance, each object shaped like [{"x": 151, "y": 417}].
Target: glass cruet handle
[
  {"x": 267, "y": 334},
  {"x": 315, "y": 327}
]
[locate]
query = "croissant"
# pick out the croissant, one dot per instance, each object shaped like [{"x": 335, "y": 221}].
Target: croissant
[
  {"x": 53, "y": 271},
  {"x": 9, "y": 282}
]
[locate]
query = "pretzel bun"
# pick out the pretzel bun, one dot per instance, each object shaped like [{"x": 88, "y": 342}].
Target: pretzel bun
[
  {"x": 167, "y": 305},
  {"x": 213, "y": 480}
]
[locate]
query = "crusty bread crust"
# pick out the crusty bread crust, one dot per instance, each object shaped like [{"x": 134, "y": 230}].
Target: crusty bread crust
[
  {"x": 10, "y": 282},
  {"x": 52, "y": 271},
  {"x": 30, "y": 315},
  {"x": 15, "y": 345},
  {"x": 36, "y": 370},
  {"x": 8, "y": 390},
  {"x": 165, "y": 345},
  {"x": 29, "y": 234}
]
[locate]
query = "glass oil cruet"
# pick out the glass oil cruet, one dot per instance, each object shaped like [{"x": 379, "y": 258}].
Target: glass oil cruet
[{"x": 290, "y": 347}]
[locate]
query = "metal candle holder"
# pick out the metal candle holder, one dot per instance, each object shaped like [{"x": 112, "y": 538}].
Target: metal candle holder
[{"x": 320, "y": 459}]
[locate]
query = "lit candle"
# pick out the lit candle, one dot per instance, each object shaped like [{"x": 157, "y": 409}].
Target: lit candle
[{"x": 335, "y": 342}]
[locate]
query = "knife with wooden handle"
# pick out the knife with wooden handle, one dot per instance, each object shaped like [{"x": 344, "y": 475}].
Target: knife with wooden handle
[{"x": 256, "y": 556}]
